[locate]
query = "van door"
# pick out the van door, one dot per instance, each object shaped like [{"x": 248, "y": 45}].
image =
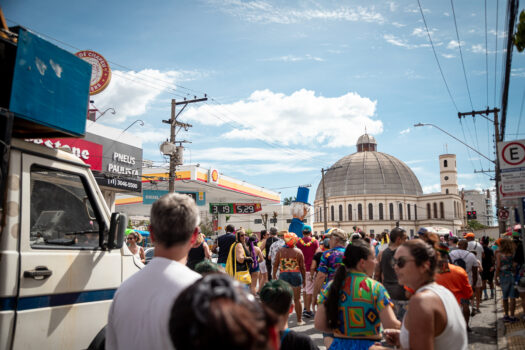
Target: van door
[{"x": 67, "y": 281}]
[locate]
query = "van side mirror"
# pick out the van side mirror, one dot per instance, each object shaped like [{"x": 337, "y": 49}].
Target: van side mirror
[{"x": 117, "y": 228}]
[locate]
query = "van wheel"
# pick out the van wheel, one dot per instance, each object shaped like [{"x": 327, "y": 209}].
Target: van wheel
[{"x": 99, "y": 343}]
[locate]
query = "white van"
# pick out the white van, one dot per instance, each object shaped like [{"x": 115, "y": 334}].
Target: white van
[{"x": 62, "y": 255}]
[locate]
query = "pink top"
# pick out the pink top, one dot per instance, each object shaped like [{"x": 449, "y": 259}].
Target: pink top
[{"x": 308, "y": 245}]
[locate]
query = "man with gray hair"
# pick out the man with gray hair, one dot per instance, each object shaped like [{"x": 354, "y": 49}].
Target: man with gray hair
[{"x": 139, "y": 314}]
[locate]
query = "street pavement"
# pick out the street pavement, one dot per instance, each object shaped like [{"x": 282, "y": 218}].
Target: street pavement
[{"x": 482, "y": 337}]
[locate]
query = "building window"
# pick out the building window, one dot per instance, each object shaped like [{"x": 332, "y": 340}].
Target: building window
[
  {"x": 446, "y": 178},
  {"x": 288, "y": 221},
  {"x": 340, "y": 212},
  {"x": 349, "y": 212},
  {"x": 321, "y": 214},
  {"x": 455, "y": 210},
  {"x": 441, "y": 210},
  {"x": 446, "y": 191},
  {"x": 400, "y": 211},
  {"x": 370, "y": 211},
  {"x": 429, "y": 216},
  {"x": 408, "y": 212},
  {"x": 445, "y": 163},
  {"x": 391, "y": 210},
  {"x": 415, "y": 211},
  {"x": 257, "y": 221},
  {"x": 359, "y": 211},
  {"x": 332, "y": 216},
  {"x": 435, "y": 210},
  {"x": 381, "y": 211}
]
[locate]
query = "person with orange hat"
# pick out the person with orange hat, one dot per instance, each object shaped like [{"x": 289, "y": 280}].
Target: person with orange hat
[
  {"x": 290, "y": 262},
  {"x": 473, "y": 245}
]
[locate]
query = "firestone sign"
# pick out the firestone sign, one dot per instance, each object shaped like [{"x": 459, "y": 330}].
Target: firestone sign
[{"x": 89, "y": 152}]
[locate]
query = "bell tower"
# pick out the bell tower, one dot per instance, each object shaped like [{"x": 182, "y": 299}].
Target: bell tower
[{"x": 448, "y": 174}]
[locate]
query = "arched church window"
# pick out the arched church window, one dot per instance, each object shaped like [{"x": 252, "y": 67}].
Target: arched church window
[
  {"x": 445, "y": 163},
  {"x": 349, "y": 212},
  {"x": 381, "y": 217},
  {"x": 391, "y": 210},
  {"x": 408, "y": 212},
  {"x": 332, "y": 216},
  {"x": 400, "y": 211},
  {"x": 340, "y": 212},
  {"x": 359, "y": 211},
  {"x": 441, "y": 210},
  {"x": 435, "y": 210},
  {"x": 370, "y": 211},
  {"x": 429, "y": 214},
  {"x": 415, "y": 211}
]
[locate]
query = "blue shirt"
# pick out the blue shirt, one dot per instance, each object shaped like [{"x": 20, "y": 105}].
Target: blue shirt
[
  {"x": 224, "y": 243},
  {"x": 296, "y": 226}
]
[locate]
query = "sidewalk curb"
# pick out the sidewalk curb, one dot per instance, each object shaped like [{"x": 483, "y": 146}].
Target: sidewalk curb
[{"x": 502, "y": 340}]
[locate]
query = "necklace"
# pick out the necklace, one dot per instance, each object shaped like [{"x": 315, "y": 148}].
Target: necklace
[{"x": 304, "y": 244}]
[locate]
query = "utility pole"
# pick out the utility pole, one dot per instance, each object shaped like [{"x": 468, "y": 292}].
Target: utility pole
[
  {"x": 324, "y": 196},
  {"x": 173, "y": 133},
  {"x": 498, "y": 138}
]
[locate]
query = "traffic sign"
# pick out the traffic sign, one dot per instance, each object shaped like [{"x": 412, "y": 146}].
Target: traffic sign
[
  {"x": 503, "y": 214},
  {"x": 512, "y": 165}
]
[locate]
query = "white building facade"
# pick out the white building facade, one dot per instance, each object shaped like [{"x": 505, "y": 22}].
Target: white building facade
[{"x": 376, "y": 191}]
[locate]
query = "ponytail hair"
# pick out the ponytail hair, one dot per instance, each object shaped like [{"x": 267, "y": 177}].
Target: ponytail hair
[{"x": 357, "y": 250}]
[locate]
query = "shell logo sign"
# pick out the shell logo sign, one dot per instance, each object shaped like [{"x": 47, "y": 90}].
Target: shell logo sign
[
  {"x": 213, "y": 176},
  {"x": 100, "y": 71}
]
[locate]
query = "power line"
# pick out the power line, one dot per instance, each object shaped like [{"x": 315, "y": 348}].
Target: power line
[
  {"x": 496, "y": 52},
  {"x": 435, "y": 56},
  {"x": 461, "y": 53},
  {"x": 486, "y": 56}
]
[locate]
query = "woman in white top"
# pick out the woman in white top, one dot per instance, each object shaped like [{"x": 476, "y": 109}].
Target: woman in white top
[
  {"x": 434, "y": 320},
  {"x": 138, "y": 252}
]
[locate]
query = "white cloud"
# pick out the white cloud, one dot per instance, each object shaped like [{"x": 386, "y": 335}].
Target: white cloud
[
  {"x": 422, "y": 32},
  {"x": 301, "y": 118},
  {"x": 454, "y": 44},
  {"x": 406, "y": 131},
  {"x": 241, "y": 154},
  {"x": 517, "y": 72},
  {"x": 432, "y": 188},
  {"x": 467, "y": 176},
  {"x": 398, "y": 25},
  {"x": 446, "y": 55},
  {"x": 292, "y": 58},
  {"x": 478, "y": 48},
  {"x": 131, "y": 93},
  {"x": 392, "y": 39},
  {"x": 446, "y": 14},
  {"x": 260, "y": 11},
  {"x": 393, "y": 6},
  {"x": 416, "y": 161}
]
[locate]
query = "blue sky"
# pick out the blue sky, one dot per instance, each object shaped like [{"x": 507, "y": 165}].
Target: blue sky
[{"x": 292, "y": 84}]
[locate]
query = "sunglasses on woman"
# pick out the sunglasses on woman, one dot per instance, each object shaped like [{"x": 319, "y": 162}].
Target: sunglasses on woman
[
  {"x": 129, "y": 238},
  {"x": 401, "y": 262}
]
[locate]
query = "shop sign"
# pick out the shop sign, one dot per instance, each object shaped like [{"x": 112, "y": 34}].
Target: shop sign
[
  {"x": 150, "y": 196},
  {"x": 100, "y": 71},
  {"x": 90, "y": 152},
  {"x": 213, "y": 176},
  {"x": 119, "y": 183}
]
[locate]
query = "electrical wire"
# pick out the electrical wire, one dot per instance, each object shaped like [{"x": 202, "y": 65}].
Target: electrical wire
[
  {"x": 496, "y": 52},
  {"x": 436, "y": 57},
  {"x": 461, "y": 53},
  {"x": 521, "y": 113}
]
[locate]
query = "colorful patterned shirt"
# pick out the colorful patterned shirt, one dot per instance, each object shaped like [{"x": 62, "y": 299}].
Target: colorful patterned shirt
[
  {"x": 330, "y": 261},
  {"x": 361, "y": 299}
]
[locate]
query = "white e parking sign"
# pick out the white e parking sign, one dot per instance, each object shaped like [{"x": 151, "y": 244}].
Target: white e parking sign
[{"x": 512, "y": 164}]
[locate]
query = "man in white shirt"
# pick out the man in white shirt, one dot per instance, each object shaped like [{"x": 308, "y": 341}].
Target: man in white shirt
[
  {"x": 474, "y": 246},
  {"x": 139, "y": 314}
]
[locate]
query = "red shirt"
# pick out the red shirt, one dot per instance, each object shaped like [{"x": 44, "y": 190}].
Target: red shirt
[
  {"x": 455, "y": 280},
  {"x": 308, "y": 245}
]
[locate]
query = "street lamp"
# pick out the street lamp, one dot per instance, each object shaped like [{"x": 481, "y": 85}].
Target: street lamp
[
  {"x": 107, "y": 109},
  {"x": 455, "y": 138},
  {"x": 130, "y": 125}
]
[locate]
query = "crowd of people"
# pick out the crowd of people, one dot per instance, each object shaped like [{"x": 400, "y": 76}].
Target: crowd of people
[{"x": 363, "y": 291}]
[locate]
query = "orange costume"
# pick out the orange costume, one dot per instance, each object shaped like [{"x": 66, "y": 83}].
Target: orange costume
[{"x": 455, "y": 279}]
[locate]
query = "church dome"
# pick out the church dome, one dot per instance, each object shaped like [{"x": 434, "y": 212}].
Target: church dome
[{"x": 369, "y": 172}]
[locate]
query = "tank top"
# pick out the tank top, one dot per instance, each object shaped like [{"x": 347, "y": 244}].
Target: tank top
[
  {"x": 241, "y": 266},
  {"x": 137, "y": 254},
  {"x": 506, "y": 265},
  {"x": 454, "y": 336},
  {"x": 396, "y": 291},
  {"x": 195, "y": 256}
]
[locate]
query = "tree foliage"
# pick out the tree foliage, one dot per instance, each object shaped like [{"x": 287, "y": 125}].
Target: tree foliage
[
  {"x": 519, "y": 37},
  {"x": 288, "y": 200},
  {"x": 475, "y": 225}
]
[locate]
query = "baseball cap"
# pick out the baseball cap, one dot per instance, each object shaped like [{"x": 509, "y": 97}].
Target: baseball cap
[
  {"x": 422, "y": 231},
  {"x": 307, "y": 228},
  {"x": 470, "y": 235},
  {"x": 338, "y": 233}
]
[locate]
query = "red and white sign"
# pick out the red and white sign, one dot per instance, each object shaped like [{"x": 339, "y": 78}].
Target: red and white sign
[
  {"x": 512, "y": 164},
  {"x": 503, "y": 214},
  {"x": 89, "y": 152},
  {"x": 100, "y": 71}
]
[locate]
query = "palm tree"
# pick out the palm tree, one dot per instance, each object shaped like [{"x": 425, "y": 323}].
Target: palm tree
[{"x": 288, "y": 200}]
